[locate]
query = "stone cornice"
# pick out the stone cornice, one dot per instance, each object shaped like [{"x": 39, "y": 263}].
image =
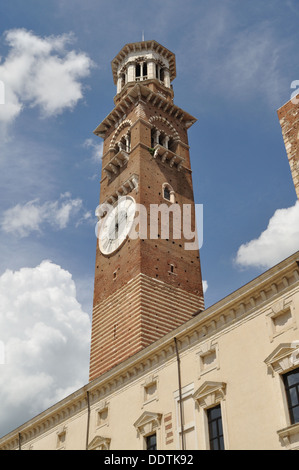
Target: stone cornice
[
  {"x": 241, "y": 304},
  {"x": 134, "y": 95}
]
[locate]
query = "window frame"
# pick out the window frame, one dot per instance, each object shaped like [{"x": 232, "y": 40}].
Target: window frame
[
  {"x": 288, "y": 394},
  {"x": 152, "y": 446},
  {"x": 209, "y": 395},
  {"x": 147, "y": 424},
  {"x": 219, "y": 436}
]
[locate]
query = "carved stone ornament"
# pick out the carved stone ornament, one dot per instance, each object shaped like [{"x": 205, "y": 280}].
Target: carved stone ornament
[
  {"x": 148, "y": 422},
  {"x": 210, "y": 394},
  {"x": 99, "y": 443},
  {"x": 283, "y": 358}
]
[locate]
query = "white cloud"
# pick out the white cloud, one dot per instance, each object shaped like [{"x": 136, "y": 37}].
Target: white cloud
[
  {"x": 21, "y": 220},
  {"x": 205, "y": 286},
  {"x": 41, "y": 72},
  {"x": 46, "y": 338},
  {"x": 277, "y": 242},
  {"x": 96, "y": 150}
]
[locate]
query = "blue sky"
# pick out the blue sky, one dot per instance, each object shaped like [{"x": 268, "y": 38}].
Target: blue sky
[{"x": 235, "y": 65}]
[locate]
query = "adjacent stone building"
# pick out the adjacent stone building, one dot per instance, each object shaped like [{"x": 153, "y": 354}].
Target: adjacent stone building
[
  {"x": 288, "y": 116},
  {"x": 166, "y": 373}
]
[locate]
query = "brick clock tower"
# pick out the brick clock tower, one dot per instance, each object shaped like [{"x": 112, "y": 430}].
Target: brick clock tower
[{"x": 147, "y": 285}]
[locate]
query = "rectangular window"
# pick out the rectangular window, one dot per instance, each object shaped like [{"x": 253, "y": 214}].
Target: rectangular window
[
  {"x": 215, "y": 428},
  {"x": 151, "y": 442},
  {"x": 291, "y": 382},
  {"x": 102, "y": 417}
]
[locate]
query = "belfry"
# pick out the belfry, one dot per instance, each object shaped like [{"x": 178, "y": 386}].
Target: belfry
[{"x": 148, "y": 285}]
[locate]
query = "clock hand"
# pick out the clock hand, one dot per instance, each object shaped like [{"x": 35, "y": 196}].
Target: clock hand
[{"x": 124, "y": 217}]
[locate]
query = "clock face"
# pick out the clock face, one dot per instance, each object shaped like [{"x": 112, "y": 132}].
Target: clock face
[{"x": 117, "y": 225}]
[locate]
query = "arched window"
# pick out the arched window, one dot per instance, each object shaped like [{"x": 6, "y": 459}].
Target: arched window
[
  {"x": 159, "y": 138},
  {"x": 124, "y": 143},
  {"x": 168, "y": 193}
]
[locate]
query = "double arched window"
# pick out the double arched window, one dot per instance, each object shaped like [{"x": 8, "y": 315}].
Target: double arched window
[
  {"x": 124, "y": 143},
  {"x": 159, "y": 137},
  {"x": 141, "y": 71}
]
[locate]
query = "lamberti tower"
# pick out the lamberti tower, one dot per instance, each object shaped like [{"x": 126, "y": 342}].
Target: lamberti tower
[{"x": 146, "y": 285}]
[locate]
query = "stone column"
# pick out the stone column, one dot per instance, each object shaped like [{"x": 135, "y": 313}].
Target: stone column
[
  {"x": 151, "y": 69},
  {"x": 119, "y": 80},
  {"x": 166, "y": 78},
  {"x": 131, "y": 72}
]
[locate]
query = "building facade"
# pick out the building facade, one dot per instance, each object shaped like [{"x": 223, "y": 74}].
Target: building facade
[
  {"x": 165, "y": 373},
  {"x": 227, "y": 378}
]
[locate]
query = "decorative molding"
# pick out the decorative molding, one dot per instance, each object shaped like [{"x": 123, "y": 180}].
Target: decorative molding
[
  {"x": 281, "y": 317},
  {"x": 151, "y": 382},
  {"x": 210, "y": 394},
  {"x": 117, "y": 162},
  {"x": 283, "y": 358},
  {"x": 290, "y": 436},
  {"x": 166, "y": 123},
  {"x": 121, "y": 126},
  {"x": 61, "y": 437},
  {"x": 208, "y": 357},
  {"x": 139, "y": 111},
  {"x": 148, "y": 423},
  {"x": 126, "y": 188},
  {"x": 99, "y": 443},
  {"x": 135, "y": 95},
  {"x": 168, "y": 428},
  {"x": 168, "y": 156}
]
